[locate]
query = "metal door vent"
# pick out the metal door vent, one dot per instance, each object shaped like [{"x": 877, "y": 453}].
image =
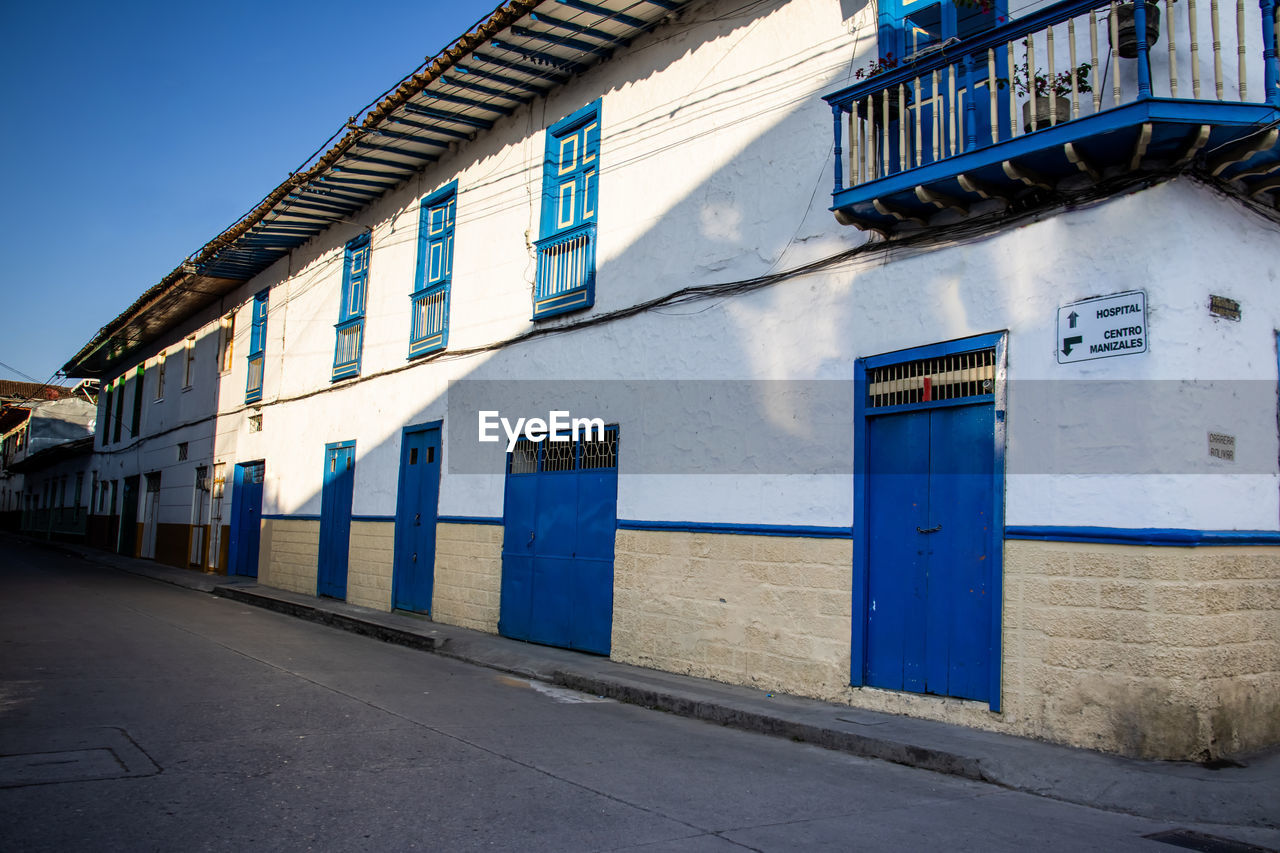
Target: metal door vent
[
  {"x": 584, "y": 454},
  {"x": 930, "y": 380}
]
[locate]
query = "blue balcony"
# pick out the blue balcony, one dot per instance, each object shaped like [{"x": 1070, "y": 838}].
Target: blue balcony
[{"x": 957, "y": 127}]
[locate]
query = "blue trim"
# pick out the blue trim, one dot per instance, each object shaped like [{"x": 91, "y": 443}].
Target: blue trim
[
  {"x": 997, "y": 518},
  {"x": 861, "y": 558},
  {"x": 1167, "y": 536},
  {"x": 468, "y": 519},
  {"x": 976, "y": 400},
  {"x": 938, "y": 350},
  {"x": 388, "y": 518},
  {"x": 793, "y": 530},
  {"x": 287, "y": 517}
]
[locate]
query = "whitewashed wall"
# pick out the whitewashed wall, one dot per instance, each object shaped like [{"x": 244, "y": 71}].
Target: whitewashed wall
[{"x": 716, "y": 166}]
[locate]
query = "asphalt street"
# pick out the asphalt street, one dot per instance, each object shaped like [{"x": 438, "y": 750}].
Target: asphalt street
[{"x": 136, "y": 716}]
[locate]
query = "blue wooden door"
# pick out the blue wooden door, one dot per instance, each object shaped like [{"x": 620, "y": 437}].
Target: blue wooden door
[
  {"x": 246, "y": 519},
  {"x": 931, "y": 498},
  {"x": 335, "y": 518},
  {"x": 416, "y": 506},
  {"x": 560, "y": 517}
]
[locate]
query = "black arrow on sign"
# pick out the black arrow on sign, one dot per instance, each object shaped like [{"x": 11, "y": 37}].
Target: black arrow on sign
[
  {"x": 1072, "y": 317},
  {"x": 1067, "y": 342}
]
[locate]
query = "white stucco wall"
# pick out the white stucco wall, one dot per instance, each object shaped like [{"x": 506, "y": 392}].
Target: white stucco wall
[{"x": 716, "y": 167}]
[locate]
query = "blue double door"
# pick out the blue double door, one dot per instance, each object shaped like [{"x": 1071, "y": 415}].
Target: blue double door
[
  {"x": 560, "y": 517},
  {"x": 932, "y": 602},
  {"x": 335, "y": 518},
  {"x": 417, "y": 504}
]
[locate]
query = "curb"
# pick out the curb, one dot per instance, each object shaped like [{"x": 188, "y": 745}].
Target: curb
[
  {"x": 354, "y": 625},
  {"x": 924, "y": 758}
]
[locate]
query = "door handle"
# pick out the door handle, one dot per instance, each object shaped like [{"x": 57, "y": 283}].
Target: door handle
[
  {"x": 531, "y": 535},
  {"x": 928, "y": 530}
]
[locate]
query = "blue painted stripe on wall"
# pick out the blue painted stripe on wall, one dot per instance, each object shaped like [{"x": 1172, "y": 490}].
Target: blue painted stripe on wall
[
  {"x": 745, "y": 529},
  {"x": 1181, "y": 537},
  {"x": 468, "y": 519},
  {"x": 282, "y": 517}
]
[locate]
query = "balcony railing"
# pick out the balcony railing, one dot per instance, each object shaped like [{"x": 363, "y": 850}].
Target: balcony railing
[
  {"x": 430, "y": 326},
  {"x": 1094, "y": 66},
  {"x": 253, "y": 387},
  {"x": 566, "y": 272},
  {"x": 346, "y": 353}
]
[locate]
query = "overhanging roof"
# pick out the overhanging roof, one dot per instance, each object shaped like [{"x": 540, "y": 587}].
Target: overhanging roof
[{"x": 523, "y": 49}]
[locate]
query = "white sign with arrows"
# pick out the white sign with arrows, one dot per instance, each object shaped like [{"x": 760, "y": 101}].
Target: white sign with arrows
[{"x": 1103, "y": 327}]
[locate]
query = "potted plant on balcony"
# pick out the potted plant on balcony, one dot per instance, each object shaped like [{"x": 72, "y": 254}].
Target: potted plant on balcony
[
  {"x": 879, "y": 66},
  {"x": 1127, "y": 28},
  {"x": 1038, "y": 88}
]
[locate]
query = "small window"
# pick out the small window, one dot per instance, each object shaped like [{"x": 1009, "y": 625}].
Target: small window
[
  {"x": 182, "y": 452},
  {"x": 255, "y": 423},
  {"x": 160, "y": 376},
  {"x": 350, "y": 326}
]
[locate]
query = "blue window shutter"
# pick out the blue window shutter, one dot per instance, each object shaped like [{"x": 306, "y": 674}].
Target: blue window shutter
[
  {"x": 257, "y": 347},
  {"x": 429, "y": 303},
  {"x": 349, "y": 341},
  {"x": 567, "y": 230}
]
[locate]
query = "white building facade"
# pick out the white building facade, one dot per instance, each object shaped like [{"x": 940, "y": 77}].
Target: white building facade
[{"x": 864, "y": 462}]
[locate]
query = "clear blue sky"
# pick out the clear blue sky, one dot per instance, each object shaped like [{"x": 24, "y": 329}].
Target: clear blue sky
[{"x": 136, "y": 132}]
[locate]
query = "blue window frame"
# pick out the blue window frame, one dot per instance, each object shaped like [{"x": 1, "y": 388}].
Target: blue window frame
[
  {"x": 429, "y": 309},
  {"x": 350, "y": 326},
  {"x": 257, "y": 348},
  {"x": 909, "y": 28},
  {"x": 567, "y": 234}
]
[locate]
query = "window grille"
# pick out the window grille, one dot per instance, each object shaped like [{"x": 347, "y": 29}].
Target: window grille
[
  {"x": 524, "y": 459},
  {"x": 585, "y": 454},
  {"x": 932, "y": 380},
  {"x": 558, "y": 455}
]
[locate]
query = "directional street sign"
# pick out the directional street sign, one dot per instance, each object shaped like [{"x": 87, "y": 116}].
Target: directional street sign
[{"x": 1103, "y": 327}]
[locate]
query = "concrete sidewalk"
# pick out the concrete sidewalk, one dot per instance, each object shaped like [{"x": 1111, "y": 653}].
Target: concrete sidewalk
[{"x": 1244, "y": 795}]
